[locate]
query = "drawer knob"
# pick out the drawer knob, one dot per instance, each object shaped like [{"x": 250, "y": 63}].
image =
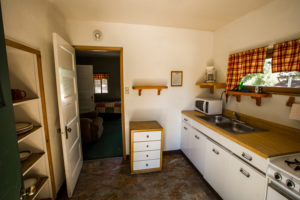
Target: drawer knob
[
  {"x": 245, "y": 173},
  {"x": 147, "y": 156},
  {"x": 146, "y": 164},
  {"x": 147, "y": 146},
  {"x": 147, "y": 136},
  {"x": 247, "y": 156},
  {"x": 215, "y": 151}
]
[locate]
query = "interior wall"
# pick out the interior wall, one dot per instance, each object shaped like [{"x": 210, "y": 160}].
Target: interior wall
[
  {"x": 150, "y": 54},
  {"x": 276, "y": 22},
  {"x": 32, "y": 22},
  {"x": 105, "y": 64}
]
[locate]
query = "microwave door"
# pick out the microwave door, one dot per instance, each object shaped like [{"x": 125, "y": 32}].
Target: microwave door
[{"x": 200, "y": 105}]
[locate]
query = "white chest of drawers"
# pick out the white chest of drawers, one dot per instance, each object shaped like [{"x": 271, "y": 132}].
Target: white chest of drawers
[{"x": 146, "y": 142}]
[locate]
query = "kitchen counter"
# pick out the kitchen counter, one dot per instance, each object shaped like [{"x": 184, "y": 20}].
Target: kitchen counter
[{"x": 276, "y": 141}]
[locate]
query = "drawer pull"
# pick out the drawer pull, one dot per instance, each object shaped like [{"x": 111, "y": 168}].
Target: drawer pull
[
  {"x": 248, "y": 157},
  {"x": 147, "y": 136},
  {"x": 197, "y": 137},
  {"x": 185, "y": 128},
  {"x": 147, "y": 146},
  {"x": 146, "y": 164},
  {"x": 215, "y": 151},
  {"x": 147, "y": 155},
  {"x": 245, "y": 173},
  {"x": 185, "y": 119}
]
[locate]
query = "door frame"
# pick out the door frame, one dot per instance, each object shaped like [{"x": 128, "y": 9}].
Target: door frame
[{"x": 119, "y": 49}]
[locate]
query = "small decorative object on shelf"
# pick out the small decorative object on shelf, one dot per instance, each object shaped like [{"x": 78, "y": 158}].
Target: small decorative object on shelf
[
  {"x": 176, "y": 78},
  {"x": 18, "y": 94}
]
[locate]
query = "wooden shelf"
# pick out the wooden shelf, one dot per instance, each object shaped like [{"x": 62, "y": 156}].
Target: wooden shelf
[
  {"x": 39, "y": 187},
  {"x": 29, "y": 162},
  {"x": 23, "y": 101},
  {"x": 212, "y": 86},
  {"x": 256, "y": 96},
  {"x": 23, "y": 136},
  {"x": 140, "y": 88}
]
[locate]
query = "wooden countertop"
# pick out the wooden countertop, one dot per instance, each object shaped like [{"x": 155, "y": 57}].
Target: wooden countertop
[
  {"x": 279, "y": 140},
  {"x": 145, "y": 125}
]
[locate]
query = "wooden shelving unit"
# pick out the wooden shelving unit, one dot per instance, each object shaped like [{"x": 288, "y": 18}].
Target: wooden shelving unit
[
  {"x": 39, "y": 187},
  {"x": 23, "y": 136},
  {"x": 140, "y": 88},
  {"x": 29, "y": 162},
  {"x": 25, "y": 70},
  {"x": 253, "y": 95},
  {"x": 212, "y": 86}
]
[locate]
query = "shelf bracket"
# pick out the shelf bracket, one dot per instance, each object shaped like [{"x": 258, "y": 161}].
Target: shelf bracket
[
  {"x": 211, "y": 90},
  {"x": 290, "y": 101},
  {"x": 258, "y": 100},
  {"x": 158, "y": 91},
  {"x": 238, "y": 98},
  {"x": 140, "y": 92}
]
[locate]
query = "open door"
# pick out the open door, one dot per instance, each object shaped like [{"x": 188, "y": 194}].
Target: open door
[
  {"x": 10, "y": 166},
  {"x": 67, "y": 97}
]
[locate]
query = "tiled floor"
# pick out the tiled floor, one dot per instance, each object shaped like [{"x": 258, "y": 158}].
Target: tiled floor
[{"x": 110, "y": 179}]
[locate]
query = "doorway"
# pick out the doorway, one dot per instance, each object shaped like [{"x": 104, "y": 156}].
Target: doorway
[{"x": 101, "y": 101}]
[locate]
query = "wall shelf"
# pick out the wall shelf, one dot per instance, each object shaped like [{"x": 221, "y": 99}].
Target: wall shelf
[
  {"x": 140, "y": 88},
  {"x": 253, "y": 95},
  {"x": 30, "y": 162},
  {"x": 23, "y": 136},
  {"x": 23, "y": 101},
  {"x": 212, "y": 86}
]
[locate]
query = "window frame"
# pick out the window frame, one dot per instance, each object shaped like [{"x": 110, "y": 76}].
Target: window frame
[
  {"x": 101, "y": 86},
  {"x": 275, "y": 90}
]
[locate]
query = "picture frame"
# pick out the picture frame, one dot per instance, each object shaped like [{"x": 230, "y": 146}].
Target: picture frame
[{"x": 176, "y": 78}]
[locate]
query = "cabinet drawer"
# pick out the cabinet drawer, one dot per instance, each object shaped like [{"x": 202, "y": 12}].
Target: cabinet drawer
[
  {"x": 146, "y": 146},
  {"x": 146, "y": 155},
  {"x": 146, "y": 136},
  {"x": 147, "y": 164}
]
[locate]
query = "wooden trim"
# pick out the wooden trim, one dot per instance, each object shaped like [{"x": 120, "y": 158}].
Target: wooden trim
[
  {"x": 120, "y": 49},
  {"x": 21, "y": 47},
  {"x": 43, "y": 104},
  {"x": 140, "y": 88},
  {"x": 181, "y": 79},
  {"x": 212, "y": 86}
]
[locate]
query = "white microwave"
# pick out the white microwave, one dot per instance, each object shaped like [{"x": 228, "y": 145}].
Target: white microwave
[{"x": 209, "y": 106}]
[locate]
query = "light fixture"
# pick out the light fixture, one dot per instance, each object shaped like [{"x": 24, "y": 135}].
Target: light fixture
[{"x": 97, "y": 34}]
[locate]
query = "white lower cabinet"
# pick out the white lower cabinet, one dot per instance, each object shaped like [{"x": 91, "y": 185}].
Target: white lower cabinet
[
  {"x": 245, "y": 182},
  {"x": 185, "y": 146},
  {"x": 197, "y": 144},
  {"x": 216, "y": 168}
]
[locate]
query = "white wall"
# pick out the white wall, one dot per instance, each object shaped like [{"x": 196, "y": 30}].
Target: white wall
[
  {"x": 150, "y": 53},
  {"x": 278, "y": 21},
  {"x": 32, "y": 22}
]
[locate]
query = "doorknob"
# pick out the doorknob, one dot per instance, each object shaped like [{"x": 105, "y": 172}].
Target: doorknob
[{"x": 67, "y": 130}]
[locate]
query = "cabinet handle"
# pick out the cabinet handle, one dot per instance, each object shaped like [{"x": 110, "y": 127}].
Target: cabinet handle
[
  {"x": 197, "y": 137},
  {"x": 147, "y": 136},
  {"x": 185, "y": 128},
  {"x": 147, "y": 146},
  {"x": 147, "y": 156},
  {"x": 247, "y": 156},
  {"x": 185, "y": 119},
  {"x": 245, "y": 173},
  {"x": 215, "y": 151},
  {"x": 146, "y": 164}
]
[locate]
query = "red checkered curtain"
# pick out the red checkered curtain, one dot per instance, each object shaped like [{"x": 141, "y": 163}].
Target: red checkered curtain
[
  {"x": 286, "y": 56},
  {"x": 100, "y": 76},
  {"x": 243, "y": 63}
]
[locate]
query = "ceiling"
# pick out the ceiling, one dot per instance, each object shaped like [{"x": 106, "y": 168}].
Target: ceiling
[{"x": 195, "y": 14}]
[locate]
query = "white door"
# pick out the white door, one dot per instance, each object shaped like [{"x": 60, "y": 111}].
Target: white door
[
  {"x": 85, "y": 88},
  {"x": 66, "y": 83}
]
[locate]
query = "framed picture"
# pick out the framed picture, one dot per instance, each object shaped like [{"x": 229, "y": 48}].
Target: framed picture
[{"x": 176, "y": 78}]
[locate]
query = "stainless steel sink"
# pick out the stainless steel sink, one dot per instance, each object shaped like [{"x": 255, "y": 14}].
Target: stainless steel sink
[{"x": 230, "y": 125}]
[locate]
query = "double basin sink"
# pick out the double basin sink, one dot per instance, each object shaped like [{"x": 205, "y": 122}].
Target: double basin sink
[{"x": 230, "y": 125}]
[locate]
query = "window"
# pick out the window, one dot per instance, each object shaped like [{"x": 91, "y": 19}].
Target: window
[
  {"x": 101, "y": 83},
  {"x": 269, "y": 79}
]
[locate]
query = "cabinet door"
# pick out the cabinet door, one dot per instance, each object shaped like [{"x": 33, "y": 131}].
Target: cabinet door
[
  {"x": 216, "y": 167},
  {"x": 185, "y": 147},
  {"x": 197, "y": 149},
  {"x": 10, "y": 166},
  {"x": 245, "y": 182}
]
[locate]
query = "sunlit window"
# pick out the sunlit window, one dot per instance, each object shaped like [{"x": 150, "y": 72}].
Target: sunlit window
[
  {"x": 101, "y": 83},
  {"x": 269, "y": 79}
]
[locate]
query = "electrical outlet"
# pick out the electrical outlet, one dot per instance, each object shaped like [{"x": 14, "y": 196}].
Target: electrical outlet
[{"x": 126, "y": 90}]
